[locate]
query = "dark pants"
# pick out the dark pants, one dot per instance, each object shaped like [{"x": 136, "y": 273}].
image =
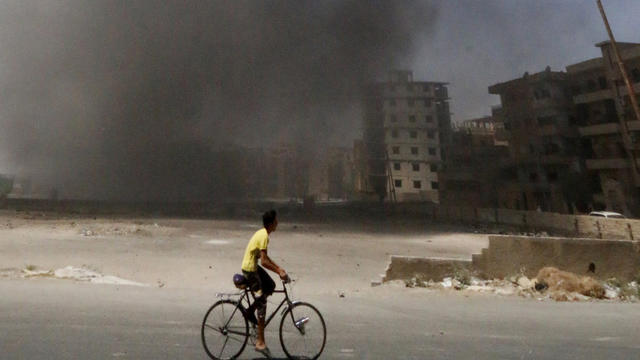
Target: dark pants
[{"x": 260, "y": 280}]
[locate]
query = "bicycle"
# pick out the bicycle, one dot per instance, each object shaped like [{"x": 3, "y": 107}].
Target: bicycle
[{"x": 225, "y": 326}]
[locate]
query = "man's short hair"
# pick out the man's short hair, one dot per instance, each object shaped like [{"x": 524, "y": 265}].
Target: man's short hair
[{"x": 268, "y": 218}]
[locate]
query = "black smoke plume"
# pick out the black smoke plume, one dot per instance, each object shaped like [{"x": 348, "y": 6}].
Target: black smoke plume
[{"x": 135, "y": 100}]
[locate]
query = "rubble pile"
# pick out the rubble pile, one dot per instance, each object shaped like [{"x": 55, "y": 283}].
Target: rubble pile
[
  {"x": 79, "y": 274},
  {"x": 550, "y": 283},
  {"x": 147, "y": 230}
]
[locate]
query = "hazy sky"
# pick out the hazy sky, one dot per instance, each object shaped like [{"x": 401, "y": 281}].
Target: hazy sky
[{"x": 478, "y": 43}]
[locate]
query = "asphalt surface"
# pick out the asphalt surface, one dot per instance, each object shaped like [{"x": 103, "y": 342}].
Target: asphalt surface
[{"x": 64, "y": 319}]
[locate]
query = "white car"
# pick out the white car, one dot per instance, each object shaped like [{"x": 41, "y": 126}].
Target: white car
[{"x": 607, "y": 214}]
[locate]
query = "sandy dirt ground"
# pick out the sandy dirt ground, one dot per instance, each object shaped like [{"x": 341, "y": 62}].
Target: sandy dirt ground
[
  {"x": 181, "y": 264},
  {"x": 179, "y": 253}
]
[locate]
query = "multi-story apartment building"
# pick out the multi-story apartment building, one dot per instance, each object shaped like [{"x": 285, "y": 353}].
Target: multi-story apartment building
[
  {"x": 544, "y": 161},
  {"x": 609, "y": 129},
  {"x": 406, "y": 126},
  {"x": 469, "y": 176}
]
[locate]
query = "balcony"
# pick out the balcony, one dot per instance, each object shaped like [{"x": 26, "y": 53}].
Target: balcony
[
  {"x": 601, "y": 164},
  {"x": 441, "y": 92},
  {"x": 548, "y": 130},
  {"x": 599, "y": 129},
  {"x": 607, "y": 128},
  {"x": 593, "y": 96}
]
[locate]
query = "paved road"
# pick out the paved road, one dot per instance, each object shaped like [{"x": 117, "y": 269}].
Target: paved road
[{"x": 59, "y": 319}]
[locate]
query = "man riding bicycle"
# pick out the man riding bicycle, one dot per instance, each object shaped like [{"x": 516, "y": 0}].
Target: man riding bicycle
[{"x": 257, "y": 278}]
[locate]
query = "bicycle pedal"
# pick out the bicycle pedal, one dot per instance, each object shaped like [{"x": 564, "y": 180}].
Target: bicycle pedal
[{"x": 302, "y": 321}]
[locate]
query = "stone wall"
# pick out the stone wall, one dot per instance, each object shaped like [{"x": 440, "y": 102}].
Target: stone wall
[
  {"x": 510, "y": 255},
  {"x": 534, "y": 221}
]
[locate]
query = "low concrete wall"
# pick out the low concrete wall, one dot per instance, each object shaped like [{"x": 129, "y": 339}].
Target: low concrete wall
[
  {"x": 509, "y": 255},
  {"x": 560, "y": 224},
  {"x": 512, "y": 255},
  {"x": 436, "y": 269}
]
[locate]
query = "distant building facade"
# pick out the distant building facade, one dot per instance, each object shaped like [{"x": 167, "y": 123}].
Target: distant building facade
[
  {"x": 608, "y": 126},
  {"x": 469, "y": 176},
  {"x": 406, "y": 128},
  {"x": 544, "y": 162}
]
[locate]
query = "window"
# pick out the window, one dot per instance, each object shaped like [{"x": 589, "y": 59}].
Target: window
[
  {"x": 431, "y": 134},
  {"x": 552, "y": 176},
  {"x": 426, "y": 88},
  {"x": 409, "y": 87},
  {"x": 533, "y": 177},
  {"x": 393, "y": 118},
  {"x": 546, "y": 120},
  {"x": 412, "y": 118},
  {"x": 427, "y": 102},
  {"x": 575, "y": 90},
  {"x": 417, "y": 184},
  {"x": 413, "y": 134},
  {"x": 432, "y": 151},
  {"x": 411, "y": 102},
  {"x": 392, "y": 87},
  {"x": 415, "y": 166},
  {"x": 435, "y": 185},
  {"x": 397, "y": 183},
  {"x": 551, "y": 148},
  {"x": 541, "y": 93},
  {"x": 429, "y": 118},
  {"x": 602, "y": 81},
  {"x": 396, "y": 166},
  {"x": 394, "y": 133},
  {"x": 433, "y": 168},
  {"x": 414, "y": 150},
  {"x": 395, "y": 150},
  {"x": 392, "y": 102},
  {"x": 635, "y": 74}
]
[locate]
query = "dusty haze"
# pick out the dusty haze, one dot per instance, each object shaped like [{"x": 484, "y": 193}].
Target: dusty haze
[{"x": 130, "y": 100}]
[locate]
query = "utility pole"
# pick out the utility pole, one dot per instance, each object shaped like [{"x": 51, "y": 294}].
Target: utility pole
[{"x": 624, "y": 129}]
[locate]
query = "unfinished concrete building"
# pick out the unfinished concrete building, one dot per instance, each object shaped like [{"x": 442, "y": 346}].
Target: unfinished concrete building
[
  {"x": 544, "y": 163},
  {"x": 608, "y": 126},
  {"x": 468, "y": 177},
  {"x": 331, "y": 174},
  {"x": 406, "y": 126}
]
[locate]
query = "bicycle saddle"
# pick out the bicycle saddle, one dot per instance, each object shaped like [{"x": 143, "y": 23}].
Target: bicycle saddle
[{"x": 239, "y": 281}]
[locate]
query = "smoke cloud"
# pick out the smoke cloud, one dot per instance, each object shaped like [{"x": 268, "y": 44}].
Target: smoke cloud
[{"x": 132, "y": 100}]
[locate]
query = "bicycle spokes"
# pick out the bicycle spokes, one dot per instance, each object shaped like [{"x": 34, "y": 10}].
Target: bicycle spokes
[{"x": 224, "y": 330}]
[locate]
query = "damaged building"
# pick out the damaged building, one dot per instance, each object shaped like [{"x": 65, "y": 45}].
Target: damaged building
[
  {"x": 608, "y": 127},
  {"x": 544, "y": 170},
  {"x": 406, "y": 127},
  {"x": 473, "y": 164}
]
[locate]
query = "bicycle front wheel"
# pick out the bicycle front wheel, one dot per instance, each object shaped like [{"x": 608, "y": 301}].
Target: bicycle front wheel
[
  {"x": 224, "y": 330},
  {"x": 303, "y": 333}
]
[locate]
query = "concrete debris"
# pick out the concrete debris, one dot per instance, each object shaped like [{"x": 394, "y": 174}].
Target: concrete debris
[
  {"x": 78, "y": 274},
  {"x": 551, "y": 284},
  {"x": 524, "y": 283},
  {"x": 562, "y": 281}
]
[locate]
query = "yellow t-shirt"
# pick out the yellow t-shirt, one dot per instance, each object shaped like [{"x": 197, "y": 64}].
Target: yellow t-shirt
[{"x": 259, "y": 241}]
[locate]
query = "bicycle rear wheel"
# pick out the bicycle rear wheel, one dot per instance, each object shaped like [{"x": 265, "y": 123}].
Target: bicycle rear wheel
[
  {"x": 303, "y": 333},
  {"x": 224, "y": 330}
]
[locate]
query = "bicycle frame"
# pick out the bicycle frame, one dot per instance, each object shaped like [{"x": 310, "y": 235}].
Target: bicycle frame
[
  {"x": 245, "y": 296},
  {"x": 284, "y": 301}
]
